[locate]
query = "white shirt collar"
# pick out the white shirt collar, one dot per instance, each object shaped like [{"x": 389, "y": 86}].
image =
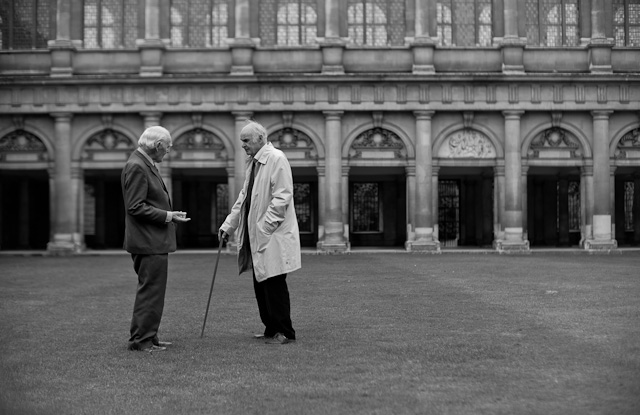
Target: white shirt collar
[{"x": 147, "y": 157}]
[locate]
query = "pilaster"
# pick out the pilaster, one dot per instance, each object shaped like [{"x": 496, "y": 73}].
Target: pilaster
[
  {"x": 242, "y": 46},
  {"x": 151, "y": 47},
  {"x": 62, "y": 48},
  {"x": 599, "y": 45},
  {"x": 333, "y": 46}
]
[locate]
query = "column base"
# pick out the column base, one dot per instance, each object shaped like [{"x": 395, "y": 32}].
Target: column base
[
  {"x": 600, "y": 246},
  {"x": 242, "y": 70},
  {"x": 333, "y": 247},
  {"x": 423, "y": 246},
  {"x": 64, "y": 244},
  {"x": 507, "y": 247}
]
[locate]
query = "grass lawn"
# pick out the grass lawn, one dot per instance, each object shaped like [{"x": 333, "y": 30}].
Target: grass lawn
[{"x": 377, "y": 334}]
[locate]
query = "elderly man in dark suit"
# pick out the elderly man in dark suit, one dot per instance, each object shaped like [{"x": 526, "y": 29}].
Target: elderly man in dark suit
[{"x": 150, "y": 234}]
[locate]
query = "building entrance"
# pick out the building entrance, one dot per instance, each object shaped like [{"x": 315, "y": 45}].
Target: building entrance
[
  {"x": 553, "y": 208},
  {"x": 104, "y": 211},
  {"x": 465, "y": 210},
  {"x": 24, "y": 210},
  {"x": 377, "y": 207},
  {"x": 627, "y": 208}
]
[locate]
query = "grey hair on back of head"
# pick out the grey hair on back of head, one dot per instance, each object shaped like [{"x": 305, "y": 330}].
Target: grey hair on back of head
[{"x": 152, "y": 135}]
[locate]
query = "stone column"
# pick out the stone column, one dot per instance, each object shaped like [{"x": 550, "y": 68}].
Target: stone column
[
  {"x": 599, "y": 46},
  {"x": 424, "y": 214},
  {"x": 65, "y": 221},
  {"x": 423, "y": 45},
  {"x": 333, "y": 45},
  {"x": 512, "y": 47},
  {"x": 322, "y": 184},
  {"x": 151, "y": 47},
  {"x": 334, "y": 240},
  {"x": 586, "y": 203},
  {"x": 512, "y": 220},
  {"x": 602, "y": 238},
  {"x": 62, "y": 48},
  {"x": 77, "y": 177},
  {"x": 345, "y": 201},
  {"x": 240, "y": 160},
  {"x": 525, "y": 198},
  {"x": 411, "y": 205},
  {"x": 434, "y": 202},
  {"x": 498, "y": 203},
  {"x": 242, "y": 45}
]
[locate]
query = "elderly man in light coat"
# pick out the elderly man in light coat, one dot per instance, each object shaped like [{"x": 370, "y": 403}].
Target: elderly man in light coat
[{"x": 267, "y": 231}]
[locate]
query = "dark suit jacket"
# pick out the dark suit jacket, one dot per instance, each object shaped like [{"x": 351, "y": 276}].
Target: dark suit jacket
[{"x": 146, "y": 202}]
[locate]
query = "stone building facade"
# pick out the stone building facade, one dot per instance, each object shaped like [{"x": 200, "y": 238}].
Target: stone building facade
[{"x": 422, "y": 124}]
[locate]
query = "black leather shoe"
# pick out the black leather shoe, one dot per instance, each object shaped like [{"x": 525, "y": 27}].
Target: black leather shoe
[{"x": 279, "y": 338}]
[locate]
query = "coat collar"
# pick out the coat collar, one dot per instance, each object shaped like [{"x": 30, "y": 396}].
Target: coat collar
[{"x": 262, "y": 154}]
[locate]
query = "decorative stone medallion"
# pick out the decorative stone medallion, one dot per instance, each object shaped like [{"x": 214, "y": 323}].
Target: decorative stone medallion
[{"x": 467, "y": 143}]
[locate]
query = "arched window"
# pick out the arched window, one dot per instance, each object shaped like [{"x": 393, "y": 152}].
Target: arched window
[
  {"x": 110, "y": 24},
  {"x": 626, "y": 22},
  {"x": 25, "y": 24},
  {"x": 464, "y": 23},
  {"x": 552, "y": 22},
  {"x": 199, "y": 23},
  {"x": 376, "y": 22},
  {"x": 288, "y": 22}
]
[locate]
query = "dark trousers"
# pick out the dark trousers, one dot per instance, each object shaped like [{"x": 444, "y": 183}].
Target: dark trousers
[
  {"x": 274, "y": 306},
  {"x": 149, "y": 303}
]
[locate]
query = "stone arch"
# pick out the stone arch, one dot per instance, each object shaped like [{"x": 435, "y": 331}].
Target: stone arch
[
  {"x": 199, "y": 143},
  {"x": 391, "y": 131},
  {"x": 626, "y": 143},
  {"x": 317, "y": 142},
  {"x": 296, "y": 144},
  {"x": 25, "y": 145},
  {"x": 541, "y": 128},
  {"x": 220, "y": 134},
  {"x": 94, "y": 135},
  {"x": 475, "y": 137}
]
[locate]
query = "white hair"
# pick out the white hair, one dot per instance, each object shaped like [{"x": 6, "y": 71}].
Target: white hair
[
  {"x": 255, "y": 130},
  {"x": 152, "y": 135}
]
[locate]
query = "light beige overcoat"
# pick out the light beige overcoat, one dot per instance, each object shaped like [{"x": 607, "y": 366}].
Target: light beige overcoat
[{"x": 273, "y": 227}]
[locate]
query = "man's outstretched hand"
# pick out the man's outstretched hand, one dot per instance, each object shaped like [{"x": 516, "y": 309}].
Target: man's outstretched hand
[{"x": 179, "y": 217}]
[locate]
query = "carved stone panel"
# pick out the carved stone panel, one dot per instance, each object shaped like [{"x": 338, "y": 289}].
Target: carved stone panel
[
  {"x": 199, "y": 144},
  {"x": 23, "y": 147},
  {"x": 629, "y": 145},
  {"x": 107, "y": 145},
  {"x": 467, "y": 143},
  {"x": 294, "y": 143},
  {"x": 555, "y": 143},
  {"x": 378, "y": 143}
]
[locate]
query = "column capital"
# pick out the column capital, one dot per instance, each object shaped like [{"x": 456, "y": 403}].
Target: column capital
[
  {"x": 345, "y": 170},
  {"x": 242, "y": 115},
  {"x": 435, "y": 170},
  {"x": 411, "y": 170},
  {"x": 498, "y": 170},
  {"x": 333, "y": 115},
  {"x": 231, "y": 171},
  {"x": 423, "y": 115},
  {"x": 77, "y": 172},
  {"x": 601, "y": 115},
  {"x": 512, "y": 115},
  {"x": 62, "y": 116},
  {"x": 524, "y": 169},
  {"x": 321, "y": 170},
  {"x": 586, "y": 171}
]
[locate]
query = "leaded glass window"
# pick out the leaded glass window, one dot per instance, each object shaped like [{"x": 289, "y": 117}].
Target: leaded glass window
[
  {"x": 464, "y": 22},
  {"x": 25, "y": 24},
  {"x": 199, "y": 23},
  {"x": 303, "y": 202},
  {"x": 552, "y": 22},
  {"x": 376, "y": 22},
  {"x": 288, "y": 22},
  {"x": 365, "y": 208},
  {"x": 626, "y": 22},
  {"x": 628, "y": 206},
  {"x": 110, "y": 24}
]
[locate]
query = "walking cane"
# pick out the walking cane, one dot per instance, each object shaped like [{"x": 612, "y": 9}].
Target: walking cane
[{"x": 215, "y": 270}]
